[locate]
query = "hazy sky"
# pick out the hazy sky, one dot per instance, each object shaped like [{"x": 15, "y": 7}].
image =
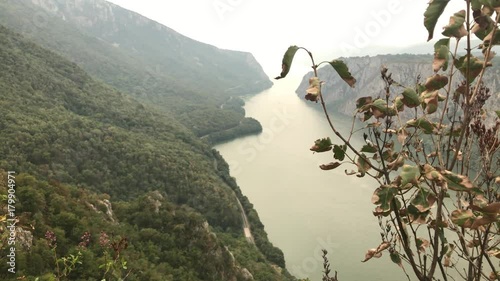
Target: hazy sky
[{"x": 266, "y": 28}]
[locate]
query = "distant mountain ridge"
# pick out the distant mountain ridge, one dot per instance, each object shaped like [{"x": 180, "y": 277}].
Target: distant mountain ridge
[
  {"x": 145, "y": 59},
  {"x": 170, "y": 51}
]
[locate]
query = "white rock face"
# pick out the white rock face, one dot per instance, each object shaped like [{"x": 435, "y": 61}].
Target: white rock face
[
  {"x": 24, "y": 238},
  {"x": 405, "y": 69}
]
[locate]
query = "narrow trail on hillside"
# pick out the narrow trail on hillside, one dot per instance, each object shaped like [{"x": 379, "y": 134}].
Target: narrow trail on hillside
[{"x": 246, "y": 225}]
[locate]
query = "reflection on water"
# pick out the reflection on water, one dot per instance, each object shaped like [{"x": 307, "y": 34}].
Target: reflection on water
[{"x": 304, "y": 208}]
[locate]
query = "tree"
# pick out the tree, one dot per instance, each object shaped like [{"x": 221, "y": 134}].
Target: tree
[{"x": 432, "y": 152}]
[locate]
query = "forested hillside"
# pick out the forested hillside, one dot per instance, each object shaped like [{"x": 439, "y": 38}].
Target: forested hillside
[
  {"x": 145, "y": 60},
  {"x": 89, "y": 158}
]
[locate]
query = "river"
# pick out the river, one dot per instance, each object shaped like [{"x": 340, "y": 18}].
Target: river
[{"x": 303, "y": 208}]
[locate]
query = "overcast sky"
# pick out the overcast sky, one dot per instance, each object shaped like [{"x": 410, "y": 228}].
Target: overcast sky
[{"x": 266, "y": 28}]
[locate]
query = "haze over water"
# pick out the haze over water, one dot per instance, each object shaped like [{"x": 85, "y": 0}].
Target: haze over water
[{"x": 303, "y": 208}]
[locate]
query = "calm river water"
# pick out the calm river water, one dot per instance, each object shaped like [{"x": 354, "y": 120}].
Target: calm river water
[{"x": 304, "y": 208}]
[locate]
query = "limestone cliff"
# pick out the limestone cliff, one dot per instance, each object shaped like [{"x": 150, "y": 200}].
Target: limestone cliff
[{"x": 406, "y": 69}]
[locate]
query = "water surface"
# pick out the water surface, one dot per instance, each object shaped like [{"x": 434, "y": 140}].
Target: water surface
[{"x": 303, "y": 208}]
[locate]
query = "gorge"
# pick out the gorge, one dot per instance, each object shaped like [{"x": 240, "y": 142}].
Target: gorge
[
  {"x": 303, "y": 208},
  {"x": 117, "y": 126}
]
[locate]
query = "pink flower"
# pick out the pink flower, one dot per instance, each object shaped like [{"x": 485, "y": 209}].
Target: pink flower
[{"x": 51, "y": 239}]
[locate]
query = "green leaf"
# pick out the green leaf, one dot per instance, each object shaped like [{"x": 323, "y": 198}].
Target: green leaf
[
  {"x": 409, "y": 174},
  {"x": 410, "y": 98},
  {"x": 456, "y": 132},
  {"x": 489, "y": 211},
  {"x": 476, "y": 65},
  {"x": 441, "y": 55},
  {"x": 444, "y": 248},
  {"x": 390, "y": 155},
  {"x": 330, "y": 166},
  {"x": 489, "y": 40},
  {"x": 380, "y": 212},
  {"x": 456, "y": 26},
  {"x": 458, "y": 182},
  {"x": 363, "y": 165},
  {"x": 430, "y": 101},
  {"x": 422, "y": 123},
  {"x": 367, "y": 115},
  {"x": 368, "y": 149},
  {"x": 392, "y": 111},
  {"x": 492, "y": 4},
  {"x": 361, "y": 102},
  {"x": 478, "y": 203},
  {"x": 432, "y": 14},
  {"x": 498, "y": 113},
  {"x": 416, "y": 216},
  {"x": 395, "y": 258},
  {"x": 339, "y": 152},
  {"x": 343, "y": 72},
  {"x": 322, "y": 145},
  {"x": 447, "y": 257},
  {"x": 422, "y": 244},
  {"x": 436, "y": 82},
  {"x": 419, "y": 88},
  {"x": 379, "y": 108},
  {"x": 476, "y": 5},
  {"x": 398, "y": 104},
  {"x": 287, "y": 61},
  {"x": 483, "y": 22},
  {"x": 383, "y": 197},
  {"x": 432, "y": 174},
  {"x": 423, "y": 200},
  {"x": 463, "y": 218}
]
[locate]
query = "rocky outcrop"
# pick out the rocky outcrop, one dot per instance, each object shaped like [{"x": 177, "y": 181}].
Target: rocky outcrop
[
  {"x": 103, "y": 206},
  {"x": 24, "y": 238},
  {"x": 155, "y": 198},
  {"x": 406, "y": 69}
]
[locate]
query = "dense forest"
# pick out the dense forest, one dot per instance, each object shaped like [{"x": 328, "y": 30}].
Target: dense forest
[
  {"x": 145, "y": 60},
  {"x": 94, "y": 165}
]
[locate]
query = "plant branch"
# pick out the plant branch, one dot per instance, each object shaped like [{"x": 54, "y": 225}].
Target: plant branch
[
  {"x": 404, "y": 235},
  {"x": 439, "y": 218},
  {"x": 448, "y": 91},
  {"x": 469, "y": 100},
  {"x": 330, "y": 123}
]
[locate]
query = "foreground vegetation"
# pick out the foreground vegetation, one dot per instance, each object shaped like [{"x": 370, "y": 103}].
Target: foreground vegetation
[
  {"x": 91, "y": 162},
  {"x": 432, "y": 150}
]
